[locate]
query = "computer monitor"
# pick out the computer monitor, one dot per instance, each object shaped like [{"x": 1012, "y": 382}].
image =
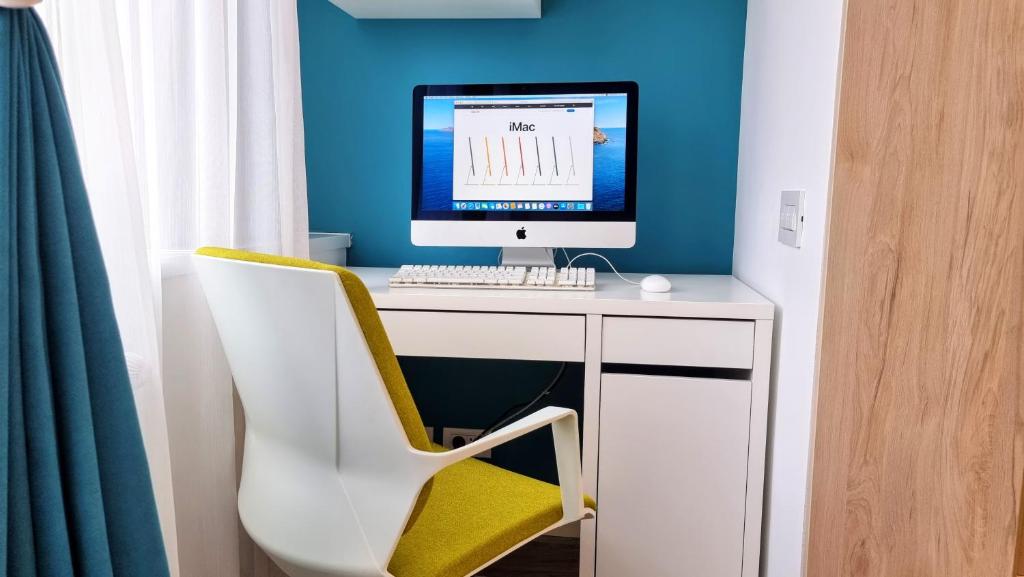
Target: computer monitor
[{"x": 525, "y": 166}]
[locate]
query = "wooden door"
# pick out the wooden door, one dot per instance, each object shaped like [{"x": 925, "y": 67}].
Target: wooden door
[{"x": 918, "y": 451}]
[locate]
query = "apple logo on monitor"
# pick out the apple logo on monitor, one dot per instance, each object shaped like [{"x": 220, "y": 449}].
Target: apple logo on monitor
[{"x": 521, "y": 233}]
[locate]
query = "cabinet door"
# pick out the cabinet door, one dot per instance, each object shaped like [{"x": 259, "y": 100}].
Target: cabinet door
[{"x": 672, "y": 475}]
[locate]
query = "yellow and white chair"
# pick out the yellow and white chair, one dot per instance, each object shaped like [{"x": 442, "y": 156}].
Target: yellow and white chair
[{"x": 339, "y": 477}]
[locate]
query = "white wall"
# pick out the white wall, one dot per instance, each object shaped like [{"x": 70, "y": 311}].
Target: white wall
[
  {"x": 786, "y": 135},
  {"x": 200, "y": 423}
]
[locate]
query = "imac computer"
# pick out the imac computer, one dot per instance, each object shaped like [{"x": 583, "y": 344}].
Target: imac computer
[{"x": 525, "y": 167}]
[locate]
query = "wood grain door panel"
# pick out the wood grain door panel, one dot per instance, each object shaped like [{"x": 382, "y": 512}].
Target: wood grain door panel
[{"x": 918, "y": 450}]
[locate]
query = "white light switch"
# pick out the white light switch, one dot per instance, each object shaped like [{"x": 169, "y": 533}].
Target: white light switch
[
  {"x": 791, "y": 218},
  {"x": 787, "y": 221}
]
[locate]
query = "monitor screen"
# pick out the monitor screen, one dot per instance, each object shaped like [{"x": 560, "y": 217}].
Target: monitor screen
[{"x": 525, "y": 152}]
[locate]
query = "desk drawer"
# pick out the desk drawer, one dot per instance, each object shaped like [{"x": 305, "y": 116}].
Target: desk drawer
[
  {"x": 486, "y": 336},
  {"x": 679, "y": 342}
]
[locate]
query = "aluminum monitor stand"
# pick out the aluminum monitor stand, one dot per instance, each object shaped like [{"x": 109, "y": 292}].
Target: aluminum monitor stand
[{"x": 520, "y": 256}]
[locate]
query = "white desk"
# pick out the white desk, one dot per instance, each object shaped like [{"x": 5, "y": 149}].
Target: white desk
[{"x": 675, "y": 405}]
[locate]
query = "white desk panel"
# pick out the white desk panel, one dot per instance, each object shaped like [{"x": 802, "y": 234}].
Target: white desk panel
[
  {"x": 679, "y": 342},
  {"x": 692, "y": 296},
  {"x": 673, "y": 506},
  {"x": 705, "y": 321},
  {"x": 486, "y": 336}
]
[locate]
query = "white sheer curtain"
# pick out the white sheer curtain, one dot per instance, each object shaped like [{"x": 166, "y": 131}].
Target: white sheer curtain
[{"x": 189, "y": 126}]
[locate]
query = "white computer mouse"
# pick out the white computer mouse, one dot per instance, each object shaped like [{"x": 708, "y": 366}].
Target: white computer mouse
[{"x": 655, "y": 284}]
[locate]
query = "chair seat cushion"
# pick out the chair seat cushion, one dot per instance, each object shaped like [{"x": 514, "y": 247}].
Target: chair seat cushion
[{"x": 474, "y": 514}]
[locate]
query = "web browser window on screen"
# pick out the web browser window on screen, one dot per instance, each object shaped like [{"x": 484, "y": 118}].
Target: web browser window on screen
[
  {"x": 523, "y": 150},
  {"x": 543, "y": 152}
]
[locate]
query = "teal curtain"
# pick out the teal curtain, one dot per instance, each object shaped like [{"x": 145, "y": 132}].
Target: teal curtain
[{"x": 75, "y": 492}]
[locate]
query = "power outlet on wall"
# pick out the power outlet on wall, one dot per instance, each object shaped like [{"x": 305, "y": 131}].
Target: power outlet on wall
[{"x": 453, "y": 438}]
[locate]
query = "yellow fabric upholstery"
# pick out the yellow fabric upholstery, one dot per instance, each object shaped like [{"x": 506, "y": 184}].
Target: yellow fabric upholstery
[
  {"x": 475, "y": 513},
  {"x": 471, "y": 512}
]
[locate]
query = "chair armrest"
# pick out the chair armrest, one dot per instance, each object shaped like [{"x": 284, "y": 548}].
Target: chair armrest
[{"x": 565, "y": 431}]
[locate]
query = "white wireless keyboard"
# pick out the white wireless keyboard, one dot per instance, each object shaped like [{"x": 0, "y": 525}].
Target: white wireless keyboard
[{"x": 493, "y": 277}]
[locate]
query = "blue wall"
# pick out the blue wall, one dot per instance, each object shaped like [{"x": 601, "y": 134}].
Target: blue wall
[{"x": 687, "y": 56}]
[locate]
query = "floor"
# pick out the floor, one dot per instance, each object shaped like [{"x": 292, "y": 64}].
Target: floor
[{"x": 544, "y": 557}]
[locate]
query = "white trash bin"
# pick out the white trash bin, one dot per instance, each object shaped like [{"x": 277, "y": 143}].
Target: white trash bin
[{"x": 330, "y": 247}]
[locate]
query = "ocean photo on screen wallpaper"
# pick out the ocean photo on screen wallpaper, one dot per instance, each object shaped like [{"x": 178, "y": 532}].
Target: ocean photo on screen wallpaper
[{"x": 609, "y": 155}]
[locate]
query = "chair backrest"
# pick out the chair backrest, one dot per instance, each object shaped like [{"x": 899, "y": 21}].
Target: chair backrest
[{"x": 329, "y": 416}]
